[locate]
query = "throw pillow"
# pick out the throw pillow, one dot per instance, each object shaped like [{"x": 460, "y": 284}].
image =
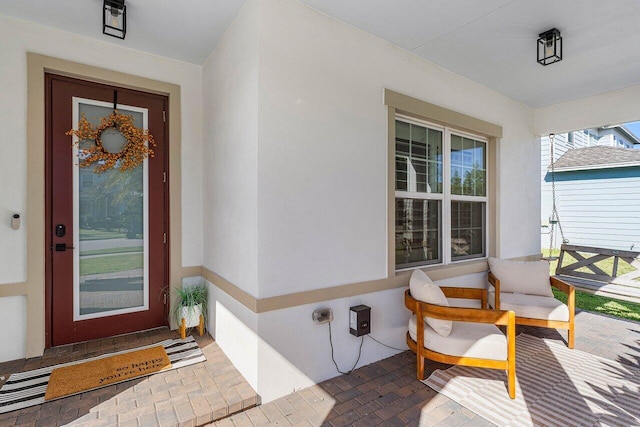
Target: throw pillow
[{"x": 423, "y": 289}]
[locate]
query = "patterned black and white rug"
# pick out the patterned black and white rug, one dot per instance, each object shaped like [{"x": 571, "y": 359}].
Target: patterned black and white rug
[
  {"x": 28, "y": 388},
  {"x": 556, "y": 386}
]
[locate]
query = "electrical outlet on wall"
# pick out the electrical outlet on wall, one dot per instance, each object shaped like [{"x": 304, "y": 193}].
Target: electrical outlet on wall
[{"x": 322, "y": 315}]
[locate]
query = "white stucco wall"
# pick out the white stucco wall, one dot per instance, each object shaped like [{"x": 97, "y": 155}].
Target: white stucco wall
[
  {"x": 295, "y": 352},
  {"x": 230, "y": 154},
  {"x": 19, "y": 37},
  {"x": 13, "y": 314},
  {"x": 312, "y": 87},
  {"x": 323, "y": 149}
]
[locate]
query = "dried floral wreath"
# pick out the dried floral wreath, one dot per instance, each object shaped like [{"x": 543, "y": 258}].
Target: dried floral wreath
[{"x": 137, "y": 148}]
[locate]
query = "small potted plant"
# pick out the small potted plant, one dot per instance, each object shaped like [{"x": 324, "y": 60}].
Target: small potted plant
[{"x": 191, "y": 307}]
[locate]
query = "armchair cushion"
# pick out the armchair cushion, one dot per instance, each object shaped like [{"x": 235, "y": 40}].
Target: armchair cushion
[
  {"x": 478, "y": 340},
  {"x": 423, "y": 289},
  {"x": 531, "y": 306},
  {"x": 522, "y": 277}
]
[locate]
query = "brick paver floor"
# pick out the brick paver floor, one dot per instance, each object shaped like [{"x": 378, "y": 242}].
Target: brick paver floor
[
  {"x": 387, "y": 392},
  {"x": 384, "y": 393},
  {"x": 189, "y": 396}
]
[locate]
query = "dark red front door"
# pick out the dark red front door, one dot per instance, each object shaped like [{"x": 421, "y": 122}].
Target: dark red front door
[{"x": 106, "y": 238}]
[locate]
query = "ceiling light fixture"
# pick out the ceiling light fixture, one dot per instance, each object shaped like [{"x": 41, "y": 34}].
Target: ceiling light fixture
[
  {"x": 114, "y": 18},
  {"x": 549, "y": 47}
]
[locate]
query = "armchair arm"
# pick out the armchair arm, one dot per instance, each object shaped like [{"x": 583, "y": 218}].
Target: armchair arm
[
  {"x": 450, "y": 292},
  {"x": 568, "y": 289},
  {"x": 495, "y": 282},
  {"x": 475, "y": 315},
  {"x": 467, "y": 293},
  {"x": 561, "y": 285},
  {"x": 478, "y": 315}
]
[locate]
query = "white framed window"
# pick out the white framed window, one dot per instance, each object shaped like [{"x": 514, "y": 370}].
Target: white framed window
[{"x": 441, "y": 196}]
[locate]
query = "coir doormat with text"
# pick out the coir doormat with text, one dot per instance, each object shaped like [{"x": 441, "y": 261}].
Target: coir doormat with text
[{"x": 29, "y": 388}]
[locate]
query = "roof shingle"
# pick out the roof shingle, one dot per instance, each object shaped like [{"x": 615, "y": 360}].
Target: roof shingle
[{"x": 597, "y": 157}]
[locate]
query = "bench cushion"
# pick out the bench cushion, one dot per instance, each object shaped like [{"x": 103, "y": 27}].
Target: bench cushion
[
  {"x": 423, "y": 289},
  {"x": 478, "y": 340},
  {"x": 524, "y": 277},
  {"x": 531, "y": 306}
]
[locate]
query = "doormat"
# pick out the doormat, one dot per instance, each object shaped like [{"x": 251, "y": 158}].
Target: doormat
[
  {"x": 556, "y": 386},
  {"x": 35, "y": 387},
  {"x": 68, "y": 380}
]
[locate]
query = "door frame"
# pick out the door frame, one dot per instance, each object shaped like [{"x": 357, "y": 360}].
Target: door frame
[
  {"x": 34, "y": 287},
  {"x": 84, "y": 85}
]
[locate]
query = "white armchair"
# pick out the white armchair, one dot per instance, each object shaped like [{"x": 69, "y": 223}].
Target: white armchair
[{"x": 525, "y": 288}]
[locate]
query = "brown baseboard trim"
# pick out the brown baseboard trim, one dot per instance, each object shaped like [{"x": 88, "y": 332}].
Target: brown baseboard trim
[
  {"x": 400, "y": 280},
  {"x": 235, "y": 292}
]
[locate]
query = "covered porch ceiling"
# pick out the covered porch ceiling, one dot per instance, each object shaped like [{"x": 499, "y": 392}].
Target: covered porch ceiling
[{"x": 492, "y": 42}]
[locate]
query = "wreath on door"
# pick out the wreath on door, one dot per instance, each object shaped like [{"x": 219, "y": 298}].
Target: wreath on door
[{"x": 136, "y": 149}]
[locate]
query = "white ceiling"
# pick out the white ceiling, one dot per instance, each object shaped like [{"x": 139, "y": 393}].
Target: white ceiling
[
  {"x": 187, "y": 30},
  {"x": 492, "y": 42}
]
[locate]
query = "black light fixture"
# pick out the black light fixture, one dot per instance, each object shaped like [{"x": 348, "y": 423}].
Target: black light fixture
[
  {"x": 114, "y": 18},
  {"x": 549, "y": 47}
]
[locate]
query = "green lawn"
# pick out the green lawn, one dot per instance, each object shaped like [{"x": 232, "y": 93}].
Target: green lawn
[
  {"x": 86, "y": 234},
  {"x": 112, "y": 251},
  {"x": 596, "y": 303},
  {"x": 110, "y": 264}
]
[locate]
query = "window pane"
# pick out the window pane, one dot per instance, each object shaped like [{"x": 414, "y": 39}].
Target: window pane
[
  {"x": 422, "y": 147},
  {"x": 479, "y": 155},
  {"x": 418, "y": 240},
  {"x": 434, "y": 171},
  {"x": 456, "y": 150},
  {"x": 477, "y": 215},
  {"x": 467, "y": 230},
  {"x": 435, "y": 161},
  {"x": 435, "y": 145},
  {"x": 401, "y": 173},
  {"x": 110, "y": 216},
  {"x": 402, "y": 137},
  {"x": 468, "y": 181},
  {"x": 480, "y": 188},
  {"x": 464, "y": 218},
  {"x": 457, "y": 174},
  {"x": 479, "y": 169},
  {"x": 419, "y": 177},
  {"x": 418, "y": 142},
  {"x": 467, "y": 153},
  {"x": 468, "y": 166}
]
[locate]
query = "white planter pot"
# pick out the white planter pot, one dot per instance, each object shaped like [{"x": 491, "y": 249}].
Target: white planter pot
[{"x": 191, "y": 315}]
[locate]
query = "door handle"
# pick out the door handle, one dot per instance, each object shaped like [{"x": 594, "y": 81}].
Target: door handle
[{"x": 61, "y": 247}]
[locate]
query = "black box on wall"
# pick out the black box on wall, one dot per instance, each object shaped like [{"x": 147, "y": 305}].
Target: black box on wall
[{"x": 360, "y": 320}]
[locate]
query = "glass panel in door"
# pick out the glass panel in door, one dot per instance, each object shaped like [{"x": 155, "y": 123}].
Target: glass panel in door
[{"x": 110, "y": 225}]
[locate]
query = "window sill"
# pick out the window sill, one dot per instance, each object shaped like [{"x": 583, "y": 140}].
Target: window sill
[{"x": 455, "y": 269}]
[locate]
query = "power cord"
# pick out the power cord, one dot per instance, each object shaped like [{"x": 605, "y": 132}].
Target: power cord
[
  {"x": 385, "y": 345},
  {"x": 334, "y": 360}
]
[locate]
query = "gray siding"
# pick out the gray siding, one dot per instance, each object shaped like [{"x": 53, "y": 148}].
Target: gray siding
[{"x": 598, "y": 208}]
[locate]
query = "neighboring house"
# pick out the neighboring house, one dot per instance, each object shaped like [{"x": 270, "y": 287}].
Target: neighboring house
[
  {"x": 596, "y": 180},
  {"x": 311, "y": 164}
]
